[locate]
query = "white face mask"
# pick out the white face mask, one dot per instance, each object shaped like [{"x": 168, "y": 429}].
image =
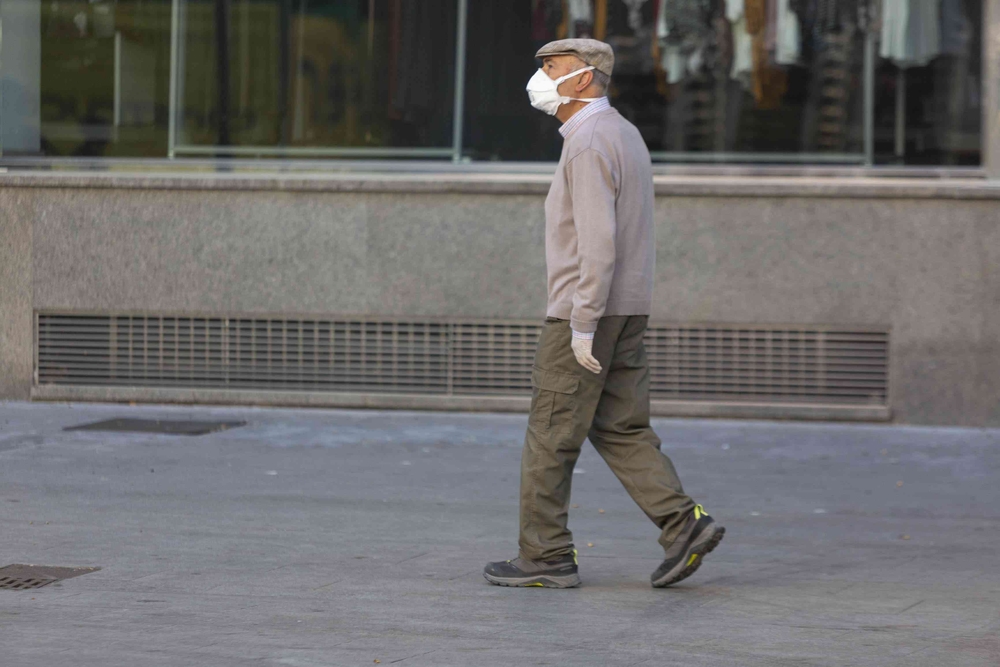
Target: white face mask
[{"x": 544, "y": 92}]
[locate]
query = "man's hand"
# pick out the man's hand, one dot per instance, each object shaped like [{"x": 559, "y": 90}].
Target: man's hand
[{"x": 582, "y": 348}]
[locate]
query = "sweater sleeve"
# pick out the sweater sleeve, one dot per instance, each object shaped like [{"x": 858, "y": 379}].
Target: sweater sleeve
[{"x": 593, "y": 190}]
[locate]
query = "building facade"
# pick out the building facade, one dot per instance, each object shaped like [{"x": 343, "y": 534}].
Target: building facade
[{"x": 332, "y": 202}]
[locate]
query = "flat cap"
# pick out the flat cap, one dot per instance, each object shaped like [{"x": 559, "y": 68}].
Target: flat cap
[{"x": 591, "y": 51}]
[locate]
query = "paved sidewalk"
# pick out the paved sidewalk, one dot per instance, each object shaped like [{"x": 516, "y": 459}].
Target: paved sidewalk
[{"x": 320, "y": 538}]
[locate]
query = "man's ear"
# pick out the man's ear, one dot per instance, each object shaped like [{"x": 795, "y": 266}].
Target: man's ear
[{"x": 585, "y": 80}]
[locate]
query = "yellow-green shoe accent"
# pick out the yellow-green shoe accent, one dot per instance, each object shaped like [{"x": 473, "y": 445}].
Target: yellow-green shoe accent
[
  {"x": 686, "y": 554},
  {"x": 560, "y": 572}
]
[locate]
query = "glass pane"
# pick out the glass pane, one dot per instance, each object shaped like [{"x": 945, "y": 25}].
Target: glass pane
[
  {"x": 85, "y": 77},
  {"x": 704, "y": 80},
  {"x": 928, "y": 83},
  {"x": 723, "y": 80},
  {"x": 314, "y": 74},
  {"x": 19, "y": 77},
  {"x": 500, "y": 124}
]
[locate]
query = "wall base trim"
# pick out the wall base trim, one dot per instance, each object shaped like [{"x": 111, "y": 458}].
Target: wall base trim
[{"x": 483, "y": 403}]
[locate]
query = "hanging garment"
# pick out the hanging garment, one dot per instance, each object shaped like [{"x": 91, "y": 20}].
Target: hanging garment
[
  {"x": 600, "y": 19},
  {"x": 911, "y": 34},
  {"x": 742, "y": 69},
  {"x": 683, "y": 30},
  {"x": 956, "y": 29},
  {"x": 722, "y": 37},
  {"x": 424, "y": 71},
  {"x": 673, "y": 63},
  {"x": 635, "y": 18},
  {"x": 825, "y": 16},
  {"x": 829, "y": 110},
  {"x": 580, "y": 15},
  {"x": 788, "y": 39},
  {"x": 493, "y": 65},
  {"x": 771, "y": 27},
  {"x": 672, "y": 59},
  {"x": 630, "y": 32},
  {"x": 742, "y": 42},
  {"x": 734, "y": 10},
  {"x": 756, "y": 15},
  {"x": 769, "y": 83},
  {"x": 685, "y": 21},
  {"x": 662, "y": 28},
  {"x": 546, "y": 15}
]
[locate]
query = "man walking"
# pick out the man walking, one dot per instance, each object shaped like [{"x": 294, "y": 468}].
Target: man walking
[{"x": 591, "y": 375}]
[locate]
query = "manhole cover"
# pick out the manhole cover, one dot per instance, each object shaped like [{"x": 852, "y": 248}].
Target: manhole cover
[
  {"x": 156, "y": 426},
  {"x": 23, "y": 577}
]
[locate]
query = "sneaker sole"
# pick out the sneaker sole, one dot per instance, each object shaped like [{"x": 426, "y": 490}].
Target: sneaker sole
[
  {"x": 541, "y": 581},
  {"x": 705, "y": 545}
]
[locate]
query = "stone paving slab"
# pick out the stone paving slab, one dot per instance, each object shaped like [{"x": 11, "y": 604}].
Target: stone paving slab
[{"x": 314, "y": 538}]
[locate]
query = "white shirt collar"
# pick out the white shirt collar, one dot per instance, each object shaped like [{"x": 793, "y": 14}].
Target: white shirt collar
[{"x": 583, "y": 114}]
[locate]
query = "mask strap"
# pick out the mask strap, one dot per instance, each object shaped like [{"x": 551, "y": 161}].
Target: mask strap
[{"x": 571, "y": 74}]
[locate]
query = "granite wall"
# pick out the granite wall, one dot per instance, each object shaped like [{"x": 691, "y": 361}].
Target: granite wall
[
  {"x": 919, "y": 257},
  {"x": 16, "y": 345}
]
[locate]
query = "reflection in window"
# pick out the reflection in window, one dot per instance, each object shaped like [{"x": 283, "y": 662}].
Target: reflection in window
[
  {"x": 928, "y": 82},
  {"x": 317, "y": 73},
  {"x": 500, "y": 123},
  {"x": 761, "y": 76},
  {"x": 717, "y": 77},
  {"x": 703, "y": 80},
  {"x": 104, "y": 77}
]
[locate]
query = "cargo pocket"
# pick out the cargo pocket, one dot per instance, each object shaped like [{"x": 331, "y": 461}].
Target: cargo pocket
[{"x": 553, "y": 403}]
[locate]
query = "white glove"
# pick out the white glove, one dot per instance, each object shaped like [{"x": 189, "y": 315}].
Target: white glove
[{"x": 582, "y": 348}]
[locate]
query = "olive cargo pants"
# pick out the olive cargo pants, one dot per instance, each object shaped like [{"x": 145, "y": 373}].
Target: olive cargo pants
[{"x": 569, "y": 404}]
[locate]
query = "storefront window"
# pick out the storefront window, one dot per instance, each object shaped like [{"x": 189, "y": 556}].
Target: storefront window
[
  {"x": 862, "y": 82},
  {"x": 703, "y": 80},
  {"x": 316, "y": 77},
  {"x": 103, "y": 73},
  {"x": 929, "y": 82}
]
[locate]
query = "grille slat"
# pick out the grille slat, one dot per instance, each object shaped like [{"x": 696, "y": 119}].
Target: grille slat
[{"x": 687, "y": 362}]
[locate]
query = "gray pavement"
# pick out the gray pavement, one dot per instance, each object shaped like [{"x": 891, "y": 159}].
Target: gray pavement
[{"x": 312, "y": 538}]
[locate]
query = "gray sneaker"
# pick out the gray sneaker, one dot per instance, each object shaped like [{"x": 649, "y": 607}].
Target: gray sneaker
[
  {"x": 683, "y": 558},
  {"x": 560, "y": 572}
]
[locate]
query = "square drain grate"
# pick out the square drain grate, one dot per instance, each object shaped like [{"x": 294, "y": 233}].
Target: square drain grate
[
  {"x": 24, "y": 577},
  {"x": 168, "y": 427}
]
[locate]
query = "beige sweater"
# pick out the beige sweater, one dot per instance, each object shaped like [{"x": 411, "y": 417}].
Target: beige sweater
[{"x": 599, "y": 246}]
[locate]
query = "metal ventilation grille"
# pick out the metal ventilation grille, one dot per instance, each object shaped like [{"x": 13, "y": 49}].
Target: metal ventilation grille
[
  {"x": 233, "y": 353},
  {"x": 768, "y": 365},
  {"x": 493, "y": 358},
  {"x": 759, "y": 364}
]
